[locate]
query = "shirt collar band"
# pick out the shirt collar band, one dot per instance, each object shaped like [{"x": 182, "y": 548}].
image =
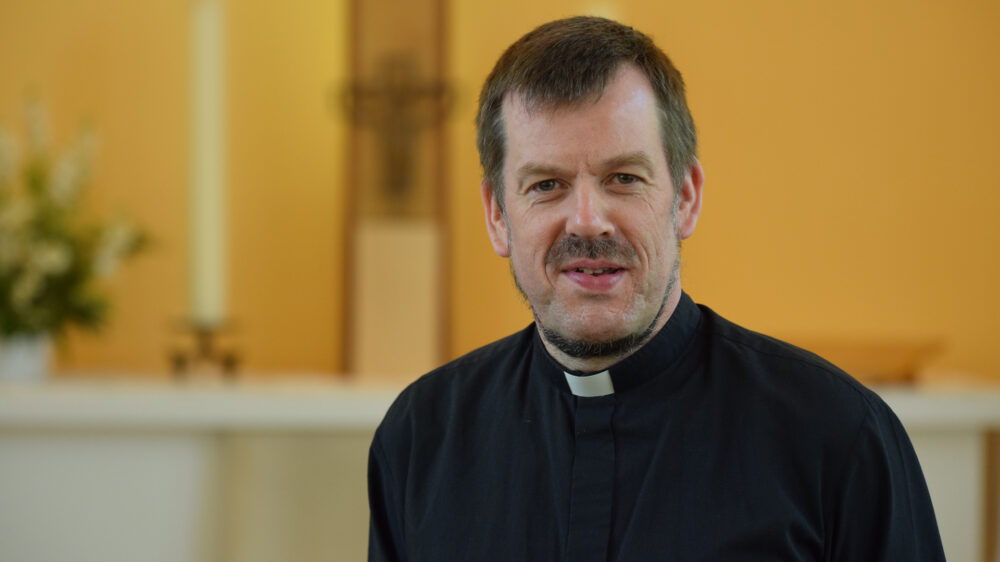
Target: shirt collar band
[{"x": 590, "y": 386}]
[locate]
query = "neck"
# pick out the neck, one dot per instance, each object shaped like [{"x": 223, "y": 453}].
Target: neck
[{"x": 600, "y": 363}]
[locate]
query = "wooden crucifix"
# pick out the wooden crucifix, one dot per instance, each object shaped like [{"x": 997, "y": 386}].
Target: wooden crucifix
[{"x": 396, "y": 249}]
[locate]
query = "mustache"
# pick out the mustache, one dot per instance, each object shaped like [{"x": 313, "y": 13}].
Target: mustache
[{"x": 572, "y": 247}]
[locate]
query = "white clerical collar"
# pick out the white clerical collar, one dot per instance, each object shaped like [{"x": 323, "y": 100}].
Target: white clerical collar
[{"x": 590, "y": 386}]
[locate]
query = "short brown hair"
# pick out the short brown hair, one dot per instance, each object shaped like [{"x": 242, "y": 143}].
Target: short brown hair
[{"x": 568, "y": 61}]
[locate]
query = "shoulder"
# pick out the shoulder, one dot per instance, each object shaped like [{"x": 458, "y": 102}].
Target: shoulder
[
  {"x": 459, "y": 385},
  {"x": 795, "y": 403},
  {"x": 764, "y": 356},
  {"x": 824, "y": 436},
  {"x": 790, "y": 382}
]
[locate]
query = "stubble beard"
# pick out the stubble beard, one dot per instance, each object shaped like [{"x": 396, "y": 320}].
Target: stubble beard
[
  {"x": 580, "y": 349},
  {"x": 618, "y": 347}
]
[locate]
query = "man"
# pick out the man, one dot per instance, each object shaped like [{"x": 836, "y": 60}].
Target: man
[{"x": 627, "y": 423}]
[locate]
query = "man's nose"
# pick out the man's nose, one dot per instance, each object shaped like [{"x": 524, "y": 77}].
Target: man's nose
[{"x": 588, "y": 217}]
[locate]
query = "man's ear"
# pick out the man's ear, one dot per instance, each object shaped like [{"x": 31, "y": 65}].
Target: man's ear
[
  {"x": 496, "y": 223},
  {"x": 689, "y": 204}
]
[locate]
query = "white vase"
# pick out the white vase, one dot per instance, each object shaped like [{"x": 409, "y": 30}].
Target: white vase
[{"x": 24, "y": 358}]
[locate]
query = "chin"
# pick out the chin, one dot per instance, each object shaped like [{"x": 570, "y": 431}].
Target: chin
[
  {"x": 590, "y": 345},
  {"x": 603, "y": 335},
  {"x": 602, "y": 325}
]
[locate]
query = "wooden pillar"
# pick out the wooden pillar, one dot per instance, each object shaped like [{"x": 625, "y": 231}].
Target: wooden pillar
[
  {"x": 395, "y": 277},
  {"x": 991, "y": 505}
]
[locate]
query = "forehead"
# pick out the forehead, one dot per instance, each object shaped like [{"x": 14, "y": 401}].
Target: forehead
[{"x": 621, "y": 119}]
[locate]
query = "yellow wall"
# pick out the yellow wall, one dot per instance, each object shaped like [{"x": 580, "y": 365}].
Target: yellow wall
[
  {"x": 123, "y": 66},
  {"x": 126, "y": 65},
  {"x": 287, "y": 181},
  {"x": 848, "y": 150}
]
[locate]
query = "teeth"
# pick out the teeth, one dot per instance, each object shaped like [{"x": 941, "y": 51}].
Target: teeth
[{"x": 592, "y": 271}]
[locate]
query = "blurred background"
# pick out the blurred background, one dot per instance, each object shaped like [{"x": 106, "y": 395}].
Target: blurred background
[
  {"x": 849, "y": 195},
  {"x": 307, "y": 174}
]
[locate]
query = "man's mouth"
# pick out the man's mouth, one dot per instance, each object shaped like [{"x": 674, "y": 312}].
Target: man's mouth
[{"x": 595, "y": 277}]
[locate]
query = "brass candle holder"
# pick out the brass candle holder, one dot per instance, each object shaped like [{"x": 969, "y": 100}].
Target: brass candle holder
[{"x": 204, "y": 352}]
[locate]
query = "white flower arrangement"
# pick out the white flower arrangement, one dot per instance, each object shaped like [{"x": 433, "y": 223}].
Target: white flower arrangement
[{"x": 50, "y": 256}]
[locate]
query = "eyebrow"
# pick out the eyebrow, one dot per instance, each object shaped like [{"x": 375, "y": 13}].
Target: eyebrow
[
  {"x": 538, "y": 169},
  {"x": 639, "y": 159}
]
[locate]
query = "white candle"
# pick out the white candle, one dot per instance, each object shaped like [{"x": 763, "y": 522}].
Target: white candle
[{"x": 208, "y": 221}]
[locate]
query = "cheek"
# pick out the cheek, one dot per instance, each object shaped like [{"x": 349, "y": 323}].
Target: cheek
[
  {"x": 528, "y": 255},
  {"x": 532, "y": 240},
  {"x": 659, "y": 251}
]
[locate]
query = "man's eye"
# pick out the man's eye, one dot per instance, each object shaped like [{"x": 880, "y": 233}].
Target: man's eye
[
  {"x": 625, "y": 178},
  {"x": 545, "y": 186}
]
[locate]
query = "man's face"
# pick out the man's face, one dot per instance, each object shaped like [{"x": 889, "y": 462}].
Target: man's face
[{"x": 592, "y": 224}]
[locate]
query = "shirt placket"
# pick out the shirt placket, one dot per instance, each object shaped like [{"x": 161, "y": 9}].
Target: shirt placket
[{"x": 592, "y": 486}]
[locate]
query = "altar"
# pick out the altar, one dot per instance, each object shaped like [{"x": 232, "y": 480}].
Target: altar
[{"x": 260, "y": 471}]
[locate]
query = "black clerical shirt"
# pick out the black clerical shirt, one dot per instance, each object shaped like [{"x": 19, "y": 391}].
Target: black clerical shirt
[{"x": 711, "y": 443}]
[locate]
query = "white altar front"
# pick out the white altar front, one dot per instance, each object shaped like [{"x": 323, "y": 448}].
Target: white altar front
[{"x": 199, "y": 472}]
